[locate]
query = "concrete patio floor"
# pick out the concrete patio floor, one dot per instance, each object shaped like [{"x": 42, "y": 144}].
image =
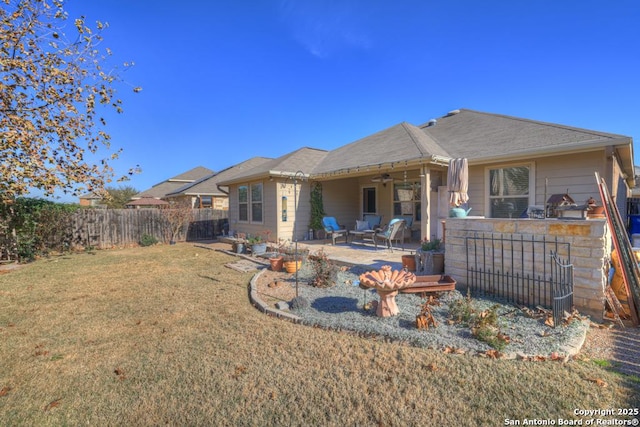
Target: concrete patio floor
[
  {"x": 354, "y": 253},
  {"x": 362, "y": 253}
]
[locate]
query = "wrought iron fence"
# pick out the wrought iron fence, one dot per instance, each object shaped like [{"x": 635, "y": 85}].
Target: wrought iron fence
[
  {"x": 523, "y": 270},
  {"x": 562, "y": 287}
]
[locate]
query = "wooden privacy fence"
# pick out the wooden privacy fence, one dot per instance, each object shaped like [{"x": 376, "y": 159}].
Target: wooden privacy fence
[{"x": 104, "y": 228}]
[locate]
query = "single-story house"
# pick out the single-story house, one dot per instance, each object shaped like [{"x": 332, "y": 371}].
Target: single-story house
[
  {"x": 514, "y": 163},
  {"x": 207, "y": 192},
  {"x": 173, "y": 185}
]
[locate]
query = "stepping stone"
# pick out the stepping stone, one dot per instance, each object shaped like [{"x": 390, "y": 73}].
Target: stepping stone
[{"x": 243, "y": 266}]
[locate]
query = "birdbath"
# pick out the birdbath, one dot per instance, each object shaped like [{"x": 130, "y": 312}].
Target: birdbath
[{"x": 387, "y": 283}]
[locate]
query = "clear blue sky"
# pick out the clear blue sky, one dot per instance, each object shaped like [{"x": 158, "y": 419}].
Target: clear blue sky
[{"x": 224, "y": 81}]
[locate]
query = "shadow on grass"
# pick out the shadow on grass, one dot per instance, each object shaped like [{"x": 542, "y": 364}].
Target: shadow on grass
[{"x": 335, "y": 304}]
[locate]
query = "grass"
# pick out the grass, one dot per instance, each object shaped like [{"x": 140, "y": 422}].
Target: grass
[{"x": 165, "y": 335}]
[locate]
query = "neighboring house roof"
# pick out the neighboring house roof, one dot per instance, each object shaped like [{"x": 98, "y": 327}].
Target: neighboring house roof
[
  {"x": 399, "y": 143},
  {"x": 210, "y": 184},
  {"x": 169, "y": 186},
  {"x": 302, "y": 160},
  {"x": 483, "y": 137},
  {"x": 90, "y": 196},
  {"x": 192, "y": 175}
]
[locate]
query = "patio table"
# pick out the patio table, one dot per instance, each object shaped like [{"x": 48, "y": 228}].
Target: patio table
[{"x": 363, "y": 235}]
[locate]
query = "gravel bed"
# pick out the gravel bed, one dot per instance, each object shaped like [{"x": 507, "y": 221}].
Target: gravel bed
[{"x": 341, "y": 308}]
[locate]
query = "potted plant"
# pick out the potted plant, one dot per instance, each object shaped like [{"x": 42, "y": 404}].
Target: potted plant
[
  {"x": 430, "y": 256},
  {"x": 258, "y": 242},
  {"x": 239, "y": 243},
  {"x": 293, "y": 258}
]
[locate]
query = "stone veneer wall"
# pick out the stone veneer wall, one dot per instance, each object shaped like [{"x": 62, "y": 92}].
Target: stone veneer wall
[{"x": 590, "y": 248}]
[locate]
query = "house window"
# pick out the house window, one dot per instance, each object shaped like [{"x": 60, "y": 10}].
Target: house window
[
  {"x": 243, "y": 203},
  {"x": 509, "y": 190},
  {"x": 406, "y": 200},
  {"x": 204, "y": 202},
  {"x": 256, "y": 202}
]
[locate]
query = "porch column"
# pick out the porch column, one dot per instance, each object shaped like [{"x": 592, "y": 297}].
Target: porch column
[{"x": 425, "y": 202}]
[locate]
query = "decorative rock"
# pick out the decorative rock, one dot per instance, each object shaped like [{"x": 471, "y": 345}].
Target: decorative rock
[
  {"x": 299, "y": 302},
  {"x": 282, "y": 305}
]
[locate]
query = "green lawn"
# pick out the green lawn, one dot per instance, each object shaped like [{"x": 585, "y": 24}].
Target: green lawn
[{"x": 165, "y": 335}]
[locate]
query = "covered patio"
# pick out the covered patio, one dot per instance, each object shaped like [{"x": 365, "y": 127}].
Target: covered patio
[{"x": 363, "y": 254}]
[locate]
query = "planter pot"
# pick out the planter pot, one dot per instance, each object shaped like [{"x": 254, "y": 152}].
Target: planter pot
[
  {"x": 595, "y": 212},
  {"x": 429, "y": 262},
  {"x": 258, "y": 248},
  {"x": 292, "y": 266},
  {"x": 276, "y": 263},
  {"x": 238, "y": 248},
  {"x": 438, "y": 263},
  {"x": 409, "y": 262}
]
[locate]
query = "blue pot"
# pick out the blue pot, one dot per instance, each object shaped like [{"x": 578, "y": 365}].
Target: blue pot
[
  {"x": 458, "y": 213},
  {"x": 259, "y": 248}
]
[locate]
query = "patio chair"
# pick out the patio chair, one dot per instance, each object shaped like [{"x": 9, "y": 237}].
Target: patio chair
[
  {"x": 365, "y": 230},
  {"x": 333, "y": 229},
  {"x": 373, "y": 221},
  {"x": 393, "y": 231},
  {"x": 408, "y": 223}
]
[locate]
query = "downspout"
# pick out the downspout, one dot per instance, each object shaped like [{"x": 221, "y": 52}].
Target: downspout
[{"x": 221, "y": 190}]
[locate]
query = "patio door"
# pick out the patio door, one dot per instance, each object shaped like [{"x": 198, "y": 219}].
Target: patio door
[{"x": 369, "y": 203}]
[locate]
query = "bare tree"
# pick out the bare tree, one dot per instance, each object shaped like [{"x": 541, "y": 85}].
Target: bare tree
[{"x": 177, "y": 216}]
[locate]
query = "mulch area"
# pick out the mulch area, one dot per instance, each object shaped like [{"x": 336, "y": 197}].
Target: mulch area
[
  {"x": 620, "y": 346},
  {"x": 275, "y": 286}
]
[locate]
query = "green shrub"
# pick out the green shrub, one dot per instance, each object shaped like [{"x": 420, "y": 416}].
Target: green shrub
[
  {"x": 148, "y": 240},
  {"x": 31, "y": 227},
  {"x": 484, "y": 326},
  {"x": 461, "y": 310}
]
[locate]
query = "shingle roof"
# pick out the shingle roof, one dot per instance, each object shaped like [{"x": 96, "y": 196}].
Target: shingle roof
[
  {"x": 483, "y": 136},
  {"x": 193, "y": 174},
  {"x": 208, "y": 186},
  {"x": 160, "y": 190},
  {"x": 303, "y": 159},
  {"x": 172, "y": 184},
  {"x": 402, "y": 142}
]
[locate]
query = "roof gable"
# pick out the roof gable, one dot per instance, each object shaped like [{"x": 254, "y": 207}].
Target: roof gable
[
  {"x": 173, "y": 184},
  {"x": 399, "y": 143},
  {"x": 301, "y": 160}
]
